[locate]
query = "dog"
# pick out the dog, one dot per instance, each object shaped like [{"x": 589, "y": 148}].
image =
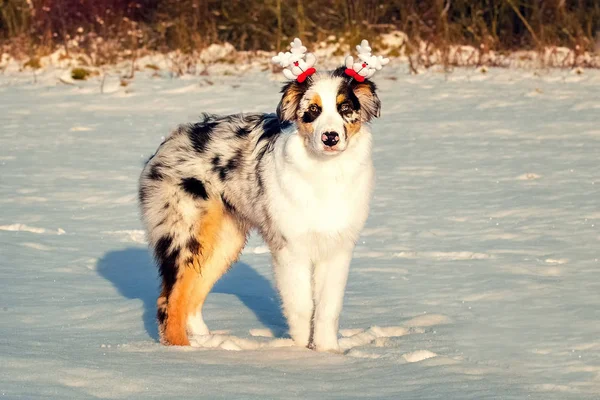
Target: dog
[{"x": 302, "y": 177}]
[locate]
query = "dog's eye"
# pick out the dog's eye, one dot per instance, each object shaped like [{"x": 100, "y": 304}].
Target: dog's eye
[
  {"x": 313, "y": 108},
  {"x": 345, "y": 108}
]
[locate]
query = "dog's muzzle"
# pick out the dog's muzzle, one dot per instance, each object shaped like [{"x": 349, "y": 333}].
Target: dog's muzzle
[{"x": 330, "y": 139}]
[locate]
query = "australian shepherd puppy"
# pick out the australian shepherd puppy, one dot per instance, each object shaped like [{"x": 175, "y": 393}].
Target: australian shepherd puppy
[{"x": 302, "y": 177}]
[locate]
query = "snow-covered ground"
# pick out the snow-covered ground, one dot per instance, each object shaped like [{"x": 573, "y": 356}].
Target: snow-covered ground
[{"x": 477, "y": 276}]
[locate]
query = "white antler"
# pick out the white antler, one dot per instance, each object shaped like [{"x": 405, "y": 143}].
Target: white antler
[
  {"x": 297, "y": 64},
  {"x": 363, "y": 47},
  {"x": 366, "y": 65}
]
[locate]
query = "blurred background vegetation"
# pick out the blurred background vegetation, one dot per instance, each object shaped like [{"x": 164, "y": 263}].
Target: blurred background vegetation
[{"x": 189, "y": 25}]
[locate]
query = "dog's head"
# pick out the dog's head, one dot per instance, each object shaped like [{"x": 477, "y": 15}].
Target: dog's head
[{"x": 329, "y": 109}]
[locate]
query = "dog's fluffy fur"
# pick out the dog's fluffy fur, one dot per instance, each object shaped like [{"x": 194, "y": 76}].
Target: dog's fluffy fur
[{"x": 210, "y": 182}]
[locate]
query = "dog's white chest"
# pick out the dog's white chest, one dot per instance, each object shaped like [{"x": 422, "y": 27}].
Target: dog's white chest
[
  {"x": 322, "y": 200},
  {"x": 322, "y": 208}
]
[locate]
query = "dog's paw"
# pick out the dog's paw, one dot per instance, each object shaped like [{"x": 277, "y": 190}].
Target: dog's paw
[
  {"x": 331, "y": 347},
  {"x": 333, "y": 350},
  {"x": 196, "y": 326}
]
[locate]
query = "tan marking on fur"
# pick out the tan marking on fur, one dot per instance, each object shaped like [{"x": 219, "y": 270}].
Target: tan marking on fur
[
  {"x": 352, "y": 128},
  {"x": 174, "y": 332},
  {"x": 305, "y": 129},
  {"x": 207, "y": 233},
  {"x": 366, "y": 99},
  {"x": 363, "y": 90},
  {"x": 289, "y": 102},
  {"x": 231, "y": 238},
  {"x": 317, "y": 100},
  {"x": 175, "y": 327}
]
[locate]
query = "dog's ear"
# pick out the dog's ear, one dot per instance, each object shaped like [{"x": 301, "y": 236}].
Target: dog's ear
[
  {"x": 370, "y": 105},
  {"x": 290, "y": 101},
  {"x": 366, "y": 92}
]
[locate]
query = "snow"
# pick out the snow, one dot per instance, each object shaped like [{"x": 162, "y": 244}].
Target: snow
[
  {"x": 32, "y": 229},
  {"x": 477, "y": 275},
  {"x": 224, "y": 59},
  {"x": 419, "y": 355}
]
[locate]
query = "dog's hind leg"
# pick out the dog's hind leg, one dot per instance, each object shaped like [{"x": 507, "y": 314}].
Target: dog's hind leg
[
  {"x": 173, "y": 326},
  {"x": 184, "y": 234},
  {"x": 192, "y": 257},
  {"x": 227, "y": 237}
]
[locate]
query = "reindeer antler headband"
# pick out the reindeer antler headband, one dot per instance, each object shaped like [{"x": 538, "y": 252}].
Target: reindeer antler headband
[
  {"x": 297, "y": 64},
  {"x": 366, "y": 65}
]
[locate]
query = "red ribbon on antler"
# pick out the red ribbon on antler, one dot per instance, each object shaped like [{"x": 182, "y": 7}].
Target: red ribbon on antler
[
  {"x": 302, "y": 77},
  {"x": 352, "y": 73}
]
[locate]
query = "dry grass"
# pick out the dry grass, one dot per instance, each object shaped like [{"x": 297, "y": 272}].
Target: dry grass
[
  {"x": 80, "y": 74},
  {"x": 108, "y": 30}
]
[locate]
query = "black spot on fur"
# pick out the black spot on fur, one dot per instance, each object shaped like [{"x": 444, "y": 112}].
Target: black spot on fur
[
  {"x": 195, "y": 188},
  {"x": 193, "y": 246},
  {"x": 200, "y": 133},
  {"x": 242, "y": 131},
  {"x": 167, "y": 262},
  {"x": 189, "y": 261},
  {"x": 272, "y": 126},
  {"x": 340, "y": 73},
  {"x": 259, "y": 181},
  {"x": 351, "y": 98},
  {"x": 235, "y": 161},
  {"x": 310, "y": 115},
  {"x": 223, "y": 173},
  {"x": 216, "y": 162},
  {"x": 259, "y": 169},
  {"x": 224, "y": 170},
  {"x": 143, "y": 194},
  {"x": 155, "y": 173},
  {"x": 161, "y": 315},
  {"x": 228, "y": 206},
  {"x": 218, "y": 168}
]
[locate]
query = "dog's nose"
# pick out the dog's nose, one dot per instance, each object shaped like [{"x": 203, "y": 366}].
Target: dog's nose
[{"x": 330, "y": 138}]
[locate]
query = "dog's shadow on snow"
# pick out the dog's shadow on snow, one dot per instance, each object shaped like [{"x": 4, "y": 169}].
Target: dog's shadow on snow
[{"x": 134, "y": 275}]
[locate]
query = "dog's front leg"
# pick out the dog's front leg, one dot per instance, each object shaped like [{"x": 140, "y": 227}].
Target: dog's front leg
[
  {"x": 330, "y": 278},
  {"x": 293, "y": 276}
]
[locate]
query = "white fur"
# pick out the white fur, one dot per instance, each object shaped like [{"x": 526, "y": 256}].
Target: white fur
[
  {"x": 320, "y": 205},
  {"x": 196, "y": 325},
  {"x": 308, "y": 201},
  {"x": 330, "y": 119}
]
